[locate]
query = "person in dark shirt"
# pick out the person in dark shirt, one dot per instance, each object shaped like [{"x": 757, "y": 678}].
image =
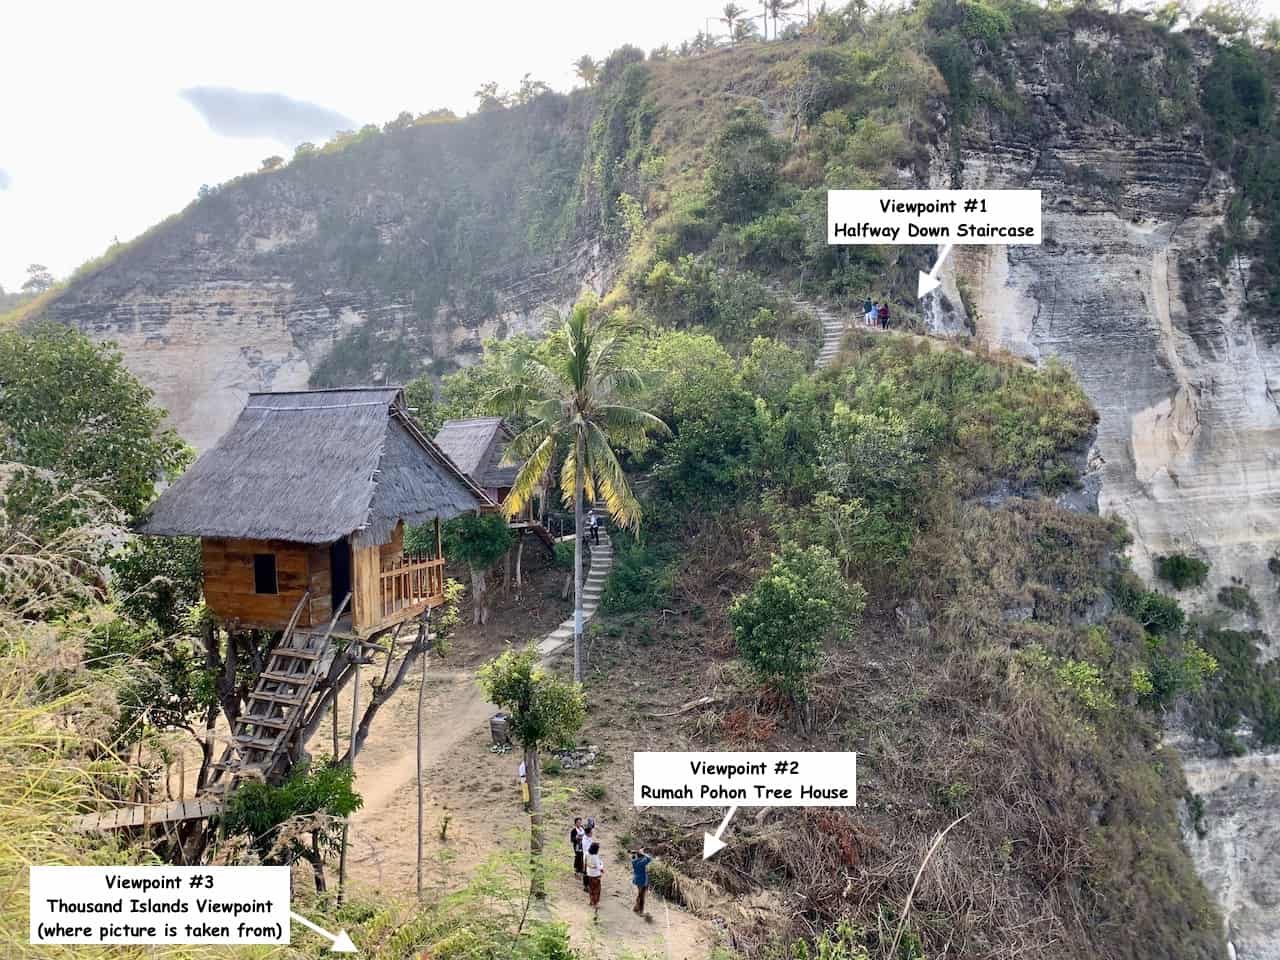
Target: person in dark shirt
[
  {"x": 884, "y": 315},
  {"x": 576, "y": 833},
  {"x": 640, "y": 861}
]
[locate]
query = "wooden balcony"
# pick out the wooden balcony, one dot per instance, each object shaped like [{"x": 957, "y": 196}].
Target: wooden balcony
[
  {"x": 409, "y": 583},
  {"x": 388, "y": 589}
]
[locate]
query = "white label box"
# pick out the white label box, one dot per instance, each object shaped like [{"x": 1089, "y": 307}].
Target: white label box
[
  {"x": 172, "y": 905},
  {"x": 926, "y": 217},
  {"x": 757, "y": 779}
]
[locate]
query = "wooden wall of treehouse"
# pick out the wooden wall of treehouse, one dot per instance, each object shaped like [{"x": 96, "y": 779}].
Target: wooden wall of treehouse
[
  {"x": 237, "y": 575},
  {"x": 366, "y": 582}
]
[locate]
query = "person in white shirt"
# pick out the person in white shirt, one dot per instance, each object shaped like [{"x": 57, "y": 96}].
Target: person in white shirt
[{"x": 595, "y": 873}]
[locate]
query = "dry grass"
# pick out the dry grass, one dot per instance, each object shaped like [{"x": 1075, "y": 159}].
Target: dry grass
[{"x": 1067, "y": 843}]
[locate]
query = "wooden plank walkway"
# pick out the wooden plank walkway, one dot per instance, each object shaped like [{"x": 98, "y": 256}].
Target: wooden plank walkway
[{"x": 145, "y": 814}]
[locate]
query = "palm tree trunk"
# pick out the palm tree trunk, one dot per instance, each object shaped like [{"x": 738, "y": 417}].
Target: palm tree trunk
[{"x": 577, "y": 558}]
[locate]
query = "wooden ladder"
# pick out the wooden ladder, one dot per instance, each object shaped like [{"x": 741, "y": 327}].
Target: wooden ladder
[{"x": 277, "y": 704}]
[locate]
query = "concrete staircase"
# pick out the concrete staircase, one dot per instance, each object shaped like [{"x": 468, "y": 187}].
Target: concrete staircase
[
  {"x": 833, "y": 328},
  {"x": 833, "y": 325},
  {"x": 592, "y": 587}
]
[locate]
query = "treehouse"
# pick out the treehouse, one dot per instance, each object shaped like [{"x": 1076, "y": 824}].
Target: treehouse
[
  {"x": 477, "y": 446},
  {"x": 308, "y": 495}
]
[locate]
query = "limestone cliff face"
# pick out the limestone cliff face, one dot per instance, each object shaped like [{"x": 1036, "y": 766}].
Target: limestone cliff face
[
  {"x": 1182, "y": 365},
  {"x": 397, "y": 255}
]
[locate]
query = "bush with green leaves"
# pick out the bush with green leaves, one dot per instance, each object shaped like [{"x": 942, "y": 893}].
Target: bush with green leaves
[
  {"x": 1156, "y": 613},
  {"x": 1182, "y": 570},
  {"x": 480, "y": 541},
  {"x": 71, "y": 407},
  {"x": 744, "y": 167},
  {"x": 783, "y": 622},
  {"x": 1177, "y": 669},
  {"x": 1238, "y": 598},
  {"x": 312, "y": 801},
  {"x": 641, "y": 577},
  {"x": 542, "y": 711},
  {"x": 1243, "y": 690},
  {"x": 162, "y": 680},
  {"x": 158, "y": 579}
]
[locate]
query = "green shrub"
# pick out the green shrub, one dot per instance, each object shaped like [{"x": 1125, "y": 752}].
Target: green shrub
[
  {"x": 744, "y": 167},
  {"x": 984, "y": 22},
  {"x": 1237, "y": 597},
  {"x": 480, "y": 540},
  {"x": 595, "y": 791},
  {"x": 258, "y": 810},
  {"x": 781, "y": 624},
  {"x": 1182, "y": 570},
  {"x": 158, "y": 578},
  {"x": 1243, "y": 689},
  {"x": 1154, "y": 611},
  {"x": 1174, "y": 673},
  {"x": 641, "y": 578}
]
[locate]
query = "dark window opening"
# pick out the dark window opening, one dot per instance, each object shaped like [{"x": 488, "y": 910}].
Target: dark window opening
[
  {"x": 264, "y": 573},
  {"x": 340, "y": 572}
]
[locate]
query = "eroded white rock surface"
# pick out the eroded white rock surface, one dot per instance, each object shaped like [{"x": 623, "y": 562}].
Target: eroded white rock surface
[{"x": 1181, "y": 365}]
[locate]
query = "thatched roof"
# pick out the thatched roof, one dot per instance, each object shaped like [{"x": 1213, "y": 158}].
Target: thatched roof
[
  {"x": 313, "y": 467},
  {"x": 476, "y": 445}
]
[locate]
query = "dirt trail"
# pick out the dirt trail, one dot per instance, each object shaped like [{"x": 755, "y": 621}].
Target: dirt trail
[{"x": 476, "y": 790}]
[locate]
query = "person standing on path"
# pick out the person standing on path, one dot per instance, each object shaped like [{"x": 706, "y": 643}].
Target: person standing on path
[
  {"x": 588, "y": 840},
  {"x": 868, "y": 309},
  {"x": 595, "y": 528},
  {"x": 576, "y": 833},
  {"x": 595, "y": 873},
  {"x": 884, "y": 315},
  {"x": 522, "y": 776},
  {"x": 640, "y": 875}
]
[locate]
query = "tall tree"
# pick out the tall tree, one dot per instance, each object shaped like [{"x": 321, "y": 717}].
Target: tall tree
[
  {"x": 587, "y": 69},
  {"x": 480, "y": 542},
  {"x": 731, "y": 13},
  {"x": 69, "y": 405},
  {"x": 780, "y": 9},
  {"x": 542, "y": 709},
  {"x": 577, "y": 411},
  {"x": 39, "y": 279}
]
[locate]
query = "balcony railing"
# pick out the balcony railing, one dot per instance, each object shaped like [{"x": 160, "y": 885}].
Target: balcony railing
[{"x": 409, "y": 582}]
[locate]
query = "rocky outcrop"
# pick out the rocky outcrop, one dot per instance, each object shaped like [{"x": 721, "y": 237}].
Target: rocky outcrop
[
  {"x": 1180, "y": 361},
  {"x": 394, "y": 256}
]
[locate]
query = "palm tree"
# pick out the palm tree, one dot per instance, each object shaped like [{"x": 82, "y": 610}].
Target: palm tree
[
  {"x": 587, "y": 69},
  {"x": 578, "y": 413},
  {"x": 780, "y": 8},
  {"x": 732, "y": 12}
]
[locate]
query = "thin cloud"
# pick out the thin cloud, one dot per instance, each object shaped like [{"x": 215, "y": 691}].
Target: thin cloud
[
  {"x": 244, "y": 113},
  {"x": 5, "y": 179}
]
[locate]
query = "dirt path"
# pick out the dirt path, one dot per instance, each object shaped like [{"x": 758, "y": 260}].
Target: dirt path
[{"x": 472, "y": 797}]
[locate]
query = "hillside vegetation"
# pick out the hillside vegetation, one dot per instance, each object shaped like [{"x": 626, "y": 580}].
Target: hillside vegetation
[{"x": 893, "y": 556}]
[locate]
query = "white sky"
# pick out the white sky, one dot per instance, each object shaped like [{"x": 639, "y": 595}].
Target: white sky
[{"x": 97, "y": 143}]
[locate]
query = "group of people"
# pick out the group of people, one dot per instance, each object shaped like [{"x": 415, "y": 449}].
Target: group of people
[
  {"x": 874, "y": 312},
  {"x": 588, "y": 862}
]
